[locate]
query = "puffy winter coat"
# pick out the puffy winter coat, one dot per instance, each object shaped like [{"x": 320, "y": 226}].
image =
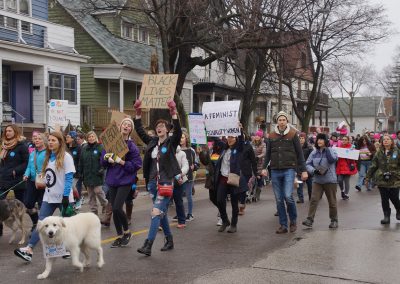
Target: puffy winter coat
[
  {"x": 344, "y": 166},
  {"x": 382, "y": 163}
]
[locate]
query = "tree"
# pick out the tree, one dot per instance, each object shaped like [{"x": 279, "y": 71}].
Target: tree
[
  {"x": 344, "y": 81},
  {"x": 338, "y": 28}
]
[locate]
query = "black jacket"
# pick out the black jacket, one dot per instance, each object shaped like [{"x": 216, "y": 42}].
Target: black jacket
[
  {"x": 15, "y": 160},
  {"x": 167, "y": 161},
  {"x": 75, "y": 151},
  {"x": 248, "y": 162}
]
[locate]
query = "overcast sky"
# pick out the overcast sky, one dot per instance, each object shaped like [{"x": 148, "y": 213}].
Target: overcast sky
[{"x": 383, "y": 53}]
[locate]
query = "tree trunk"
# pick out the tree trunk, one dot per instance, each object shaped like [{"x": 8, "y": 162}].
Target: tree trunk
[{"x": 247, "y": 108}]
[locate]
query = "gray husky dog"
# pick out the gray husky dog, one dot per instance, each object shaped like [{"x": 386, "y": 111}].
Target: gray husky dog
[{"x": 12, "y": 215}]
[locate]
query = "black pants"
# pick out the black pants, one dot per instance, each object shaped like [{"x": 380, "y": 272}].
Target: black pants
[
  {"x": 33, "y": 195},
  {"x": 118, "y": 196},
  {"x": 393, "y": 195},
  {"x": 212, "y": 194},
  {"x": 223, "y": 190}
]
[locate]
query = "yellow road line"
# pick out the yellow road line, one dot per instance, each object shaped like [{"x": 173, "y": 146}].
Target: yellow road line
[{"x": 109, "y": 240}]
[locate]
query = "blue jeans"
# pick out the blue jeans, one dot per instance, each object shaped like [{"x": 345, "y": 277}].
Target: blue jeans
[
  {"x": 161, "y": 203},
  {"x": 178, "y": 199},
  {"x": 188, "y": 187},
  {"x": 46, "y": 210},
  {"x": 300, "y": 193},
  {"x": 282, "y": 184},
  {"x": 364, "y": 166}
]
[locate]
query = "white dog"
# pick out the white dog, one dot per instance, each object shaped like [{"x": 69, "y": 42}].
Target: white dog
[{"x": 78, "y": 233}]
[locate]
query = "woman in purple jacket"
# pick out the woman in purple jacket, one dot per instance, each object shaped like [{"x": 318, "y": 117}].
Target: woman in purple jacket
[{"x": 121, "y": 175}]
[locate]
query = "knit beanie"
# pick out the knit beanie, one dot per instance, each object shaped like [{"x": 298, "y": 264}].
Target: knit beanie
[
  {"x": 259, "y": 133},
  {"x": 124, "y": 120},
  {"x": 282, "y": 113},
  {"x": 73, "y": 134}
]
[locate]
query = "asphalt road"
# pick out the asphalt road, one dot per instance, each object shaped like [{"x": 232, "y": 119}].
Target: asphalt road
[{"x": 200, "y": 251}]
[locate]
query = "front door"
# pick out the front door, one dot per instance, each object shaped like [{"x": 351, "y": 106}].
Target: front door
[{"x": 22, "y": 95}]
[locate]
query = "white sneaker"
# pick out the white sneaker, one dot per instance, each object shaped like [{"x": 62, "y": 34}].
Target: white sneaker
[
  {"x": 219, "y": 222},
  {"x": 78, "y": 204}
]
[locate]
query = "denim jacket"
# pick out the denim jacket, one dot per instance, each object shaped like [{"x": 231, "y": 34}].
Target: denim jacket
[{"x": 326, "y": 158}]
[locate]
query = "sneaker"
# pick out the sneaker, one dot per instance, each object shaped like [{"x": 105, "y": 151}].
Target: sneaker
[
  {"x": 23, "y": 253},
  {"x": 117, "y": 243},
  {"x": 358, "y": 188},
  {"x": 219, "y": 221},
  {"x": 105, "y": 224},
  {"x": 181, "y": 226},
  {"x": 276, "y": 213},
  {"x": 293, "y": 227},
  {"x": 343, "y": 195},
  {"x": 125, "y": 239},
  {"x": 346, "y": 197},
  {"x": 67, "y": 255},
  {"x": 281, "y": 230},
  {"x": 300, "y": 201},
  {"x": 308, "y": 222},
  {"x": 78, "y": 204},
  {"x": 175, "y": 219},
  {"x": 189, "y": 218},
  {"x": 334, "y": 224}
]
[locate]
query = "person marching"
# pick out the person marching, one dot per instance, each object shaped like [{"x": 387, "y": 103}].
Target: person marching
[
  {"x": 58, "y": 169},
  {"x": 160, "y": 169},
  {"x": 120, "y": 177},
  {"x": 385, "y": 172},
  {"x": 345, "y": 169}
]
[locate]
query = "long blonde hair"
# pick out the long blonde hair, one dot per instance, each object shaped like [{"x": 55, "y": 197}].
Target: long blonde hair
[{"x": 60, "y": 154}]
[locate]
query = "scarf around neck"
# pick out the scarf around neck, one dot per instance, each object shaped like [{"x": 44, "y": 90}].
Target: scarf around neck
[{"x": 6, "y": 146}]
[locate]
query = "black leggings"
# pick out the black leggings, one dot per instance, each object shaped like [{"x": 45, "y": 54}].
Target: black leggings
[
  {"x": 223, "y": 190},
  {"x": 118, "y": 196},
  {"x": 391, "y": 194}
]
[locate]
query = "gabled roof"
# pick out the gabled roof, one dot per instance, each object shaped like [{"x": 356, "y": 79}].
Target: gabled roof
[
  {"x": 130, "y": 53},
  {"x": 362, "y": 106}
]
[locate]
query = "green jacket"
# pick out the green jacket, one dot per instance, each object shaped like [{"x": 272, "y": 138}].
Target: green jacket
[
  {"x": 382, "y": 163},
  {"x": 89, "y": 165}
]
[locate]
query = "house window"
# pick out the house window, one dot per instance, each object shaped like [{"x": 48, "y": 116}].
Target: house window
[
  {"x": 1, "y": 21},
  {"x": 26, "y": 27},
  {"x": 223, "y": 65},
  {"x": 17, "y": 6},
  {"x": 1, "y": 4},
  {"x": 11, "y": 23},
  {"x": 143, "y": 35},
  {"x": 127, "y": 31},
  {"x": 303, "y": 60},
  {"x": 11, "y": 5},
  {"x": 113, "y": 90},
  {"x": 62, "y": 87},
  {"x": 24, "y": 7}
]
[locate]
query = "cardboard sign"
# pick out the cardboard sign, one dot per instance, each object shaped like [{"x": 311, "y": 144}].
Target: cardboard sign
[
  {"x": 118, "y": 116},
  {"x": 347, "y": 153},
  {"x": 221, "y": 118},
  {"x": 113, "y": 141},
  {"x": 197, "y": 129},
  {"x": 51, "y": 251},
  {"x": 157, "y": 90},
  {"x": 58, "y": 113}
]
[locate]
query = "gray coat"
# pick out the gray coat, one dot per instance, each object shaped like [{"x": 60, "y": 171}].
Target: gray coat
[{"x": 326, "y": 158}]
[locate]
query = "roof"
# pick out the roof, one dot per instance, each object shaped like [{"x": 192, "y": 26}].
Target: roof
[
  {"x": 130, "y": 53},
  {"x": 362, "y": 106}
]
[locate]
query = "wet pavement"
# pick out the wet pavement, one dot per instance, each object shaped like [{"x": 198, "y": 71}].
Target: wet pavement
[{"x": 361, "y": 250}]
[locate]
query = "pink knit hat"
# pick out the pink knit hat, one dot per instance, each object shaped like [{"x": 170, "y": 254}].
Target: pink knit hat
[
  {"x": 377, "y": 136},
  {"x": 393, "y": 136},
  {"x": 260, "y": 133}
]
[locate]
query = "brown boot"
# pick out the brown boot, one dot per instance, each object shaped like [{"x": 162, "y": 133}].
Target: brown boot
[
  {"x": 128, "y": 209},
  {"x": 107, "y": 215},
  {"x": 242, "y": 207}
]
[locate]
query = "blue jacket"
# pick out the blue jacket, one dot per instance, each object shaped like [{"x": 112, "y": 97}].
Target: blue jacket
[
  {"x": 30, "y": 171},
  {"x": 326, "y": 158}
]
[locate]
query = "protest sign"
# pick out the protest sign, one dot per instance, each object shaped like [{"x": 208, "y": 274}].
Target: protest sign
[
  {"x": 58, "y": 113},
  {"x": 157, "y": 89},
  {"x": 118, "y": 116},
  {"x": 113, "y": 141},
  {"x": 347, "y": 153},
  {"x": 197, "y": 129},
  {"x": 221, "y": 118}
]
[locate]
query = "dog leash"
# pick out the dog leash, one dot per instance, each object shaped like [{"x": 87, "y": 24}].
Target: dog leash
[{"x": 11, "y": 188}]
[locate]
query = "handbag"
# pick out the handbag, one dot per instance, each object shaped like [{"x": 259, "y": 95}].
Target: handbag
[
  {"x": 40, "y": 182},
  {"x": 233, "y": 179},
  {"x": 322, "y": 169},
  {"x": 165, "y": 189}
]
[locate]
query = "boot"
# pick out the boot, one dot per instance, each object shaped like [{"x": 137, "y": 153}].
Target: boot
[
  {"x": 1, "y": 229},
  {"x": 146, "y": 248},
  {"x": 242, "y": 207},
  {"x": 169, "y": 243},
  {"x": 107, "y": 215},
  {"x": 398, "y": 214},
  {"x": 129, "y": 208},
  {"x": 258, "y": 193},
  {"x": 386, "y": 218}
]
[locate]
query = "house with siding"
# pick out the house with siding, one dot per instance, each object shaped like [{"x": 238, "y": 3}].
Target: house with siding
[
  {"x": 120, "y": 44},
  {"x": 38, "y": 63}
]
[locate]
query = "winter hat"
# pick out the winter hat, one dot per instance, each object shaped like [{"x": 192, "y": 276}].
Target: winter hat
[
  {"x": 125, "y": 120},
  {"x": 302, "y": 134},
  {"x": 259, "y": 133},
  {"x": 73, "y": 134},
  {"x": 377, "y": 136},
  {"x": 335, "y": 134},
  {"x": 393, "y": 136},
  {"x": 282, "y": 113},
  {"x": 322, "y": 136}
]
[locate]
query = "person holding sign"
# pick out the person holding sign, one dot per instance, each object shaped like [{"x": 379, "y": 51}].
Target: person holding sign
[
  {"x": 160, "y": 169},
  {"x": 58, "y": 168},
  {"x": 120, "y": 177},
  {"x": 345, "y": 169}
]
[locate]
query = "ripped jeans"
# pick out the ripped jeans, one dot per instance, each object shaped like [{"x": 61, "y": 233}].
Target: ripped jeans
[{"x": 159, "y": 214}]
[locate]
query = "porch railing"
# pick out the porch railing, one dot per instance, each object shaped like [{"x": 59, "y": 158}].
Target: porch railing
[{"x": 8, "y": 117}]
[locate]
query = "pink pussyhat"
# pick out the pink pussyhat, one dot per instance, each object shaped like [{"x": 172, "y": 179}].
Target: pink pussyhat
[
  {"x": 393, "y": 136},
  {"x": 260, "y": 133},
  {"x": 377, "y": 136}
]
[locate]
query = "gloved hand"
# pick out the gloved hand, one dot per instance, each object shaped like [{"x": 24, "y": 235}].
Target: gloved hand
[
  {"x": 112, "y": 158},
  {"x": 65, "y": 202},
  {"x": 172, "y": 107},
  {"x": 137, "y": 106},
  {"x": 317, "y": 172}
]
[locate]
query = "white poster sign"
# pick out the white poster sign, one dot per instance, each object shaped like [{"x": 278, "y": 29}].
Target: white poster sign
[
  {"x": 58, "y": 113},
  {"x": 347, "y": 153},
  {"x": 221, "y": 118},
  {"x": 197, "y": 129}
]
